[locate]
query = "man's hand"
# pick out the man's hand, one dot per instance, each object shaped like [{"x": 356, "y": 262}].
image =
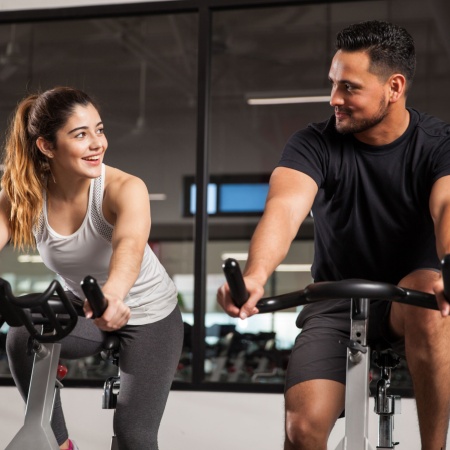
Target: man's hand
[
  {"x": 442, "y": 301},
  {"x": 255, "y": 290}
]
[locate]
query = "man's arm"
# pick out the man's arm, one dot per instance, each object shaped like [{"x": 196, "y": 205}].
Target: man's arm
[
  {"x": 290, "y": 198},
  {"x": 440, "y": 212}
]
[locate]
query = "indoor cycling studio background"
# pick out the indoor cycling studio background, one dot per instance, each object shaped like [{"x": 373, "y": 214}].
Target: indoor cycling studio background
[{"x": 197, "y": 421}]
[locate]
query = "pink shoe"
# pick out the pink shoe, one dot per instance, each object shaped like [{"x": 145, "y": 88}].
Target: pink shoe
[{"x": 72, "y": 445}]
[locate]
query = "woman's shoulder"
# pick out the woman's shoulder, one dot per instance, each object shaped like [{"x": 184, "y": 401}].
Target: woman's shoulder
[{"x": 117, "y": 180}]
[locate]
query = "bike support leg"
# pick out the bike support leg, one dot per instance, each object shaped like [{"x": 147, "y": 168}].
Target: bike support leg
[
  {"x": 37, "y": 431},
  {"x": 357, "y": 384}
]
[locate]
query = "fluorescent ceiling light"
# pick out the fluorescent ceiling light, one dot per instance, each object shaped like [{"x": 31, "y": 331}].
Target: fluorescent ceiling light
[
  {"x": 288, "y": 97},
  {"x": 238, "y": 256},
  {"x": 288, "y": 100},
  {"x": 29, "y": 259},
  {"x": 293, "y": 268},
  {"x": 157, "y": 197}
]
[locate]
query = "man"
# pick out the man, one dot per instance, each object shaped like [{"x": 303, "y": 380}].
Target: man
[{"x": 377, "y": 178}]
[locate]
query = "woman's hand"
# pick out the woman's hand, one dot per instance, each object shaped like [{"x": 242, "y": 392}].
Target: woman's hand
[{"x": 115, "y": 316}]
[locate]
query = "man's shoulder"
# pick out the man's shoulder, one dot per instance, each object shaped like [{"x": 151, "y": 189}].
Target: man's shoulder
[
  {"x": 430, "y": 125},
  {"x": 325, "y": 127},
  {"x": 317, "y": 131}
]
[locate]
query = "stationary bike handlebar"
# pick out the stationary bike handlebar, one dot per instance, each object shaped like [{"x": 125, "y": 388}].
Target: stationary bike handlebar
[
  {"x": 334, "y": 290},
  {"x": 51, "y": 307}
]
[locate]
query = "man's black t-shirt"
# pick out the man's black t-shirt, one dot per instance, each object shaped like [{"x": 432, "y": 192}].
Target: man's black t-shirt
[{"x": 371, "y": 213}]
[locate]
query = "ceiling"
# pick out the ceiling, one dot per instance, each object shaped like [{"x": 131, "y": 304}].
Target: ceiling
[{"x": 143, "y": 71}]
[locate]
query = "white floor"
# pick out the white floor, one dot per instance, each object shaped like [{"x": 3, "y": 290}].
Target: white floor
[{"x": 195, "y": 421}]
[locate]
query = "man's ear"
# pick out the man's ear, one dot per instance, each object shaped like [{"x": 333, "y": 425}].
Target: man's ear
[
  {"x": 397, "y": 86},
  {"x": 45, "y": 147}
]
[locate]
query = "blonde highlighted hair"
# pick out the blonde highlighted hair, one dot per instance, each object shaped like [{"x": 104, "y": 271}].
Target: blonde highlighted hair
[{"x": 26, "y": 168}]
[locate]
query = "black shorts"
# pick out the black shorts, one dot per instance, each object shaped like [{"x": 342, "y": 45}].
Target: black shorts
[{"x": 317, "y": 353}]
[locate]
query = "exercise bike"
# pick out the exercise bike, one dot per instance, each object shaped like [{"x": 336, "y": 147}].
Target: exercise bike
[
  {"x": 359, "y": 292},
  {"x": 49, "y": 317}
]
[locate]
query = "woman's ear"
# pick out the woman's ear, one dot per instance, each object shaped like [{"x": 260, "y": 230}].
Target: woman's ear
[{"x": 45, "y": 147}]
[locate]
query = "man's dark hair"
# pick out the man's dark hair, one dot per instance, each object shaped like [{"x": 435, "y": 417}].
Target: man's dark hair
[{"x": 390, "y": 47}]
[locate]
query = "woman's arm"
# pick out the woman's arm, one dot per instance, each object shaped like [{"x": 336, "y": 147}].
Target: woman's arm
[{"x": 126, "y": 205}]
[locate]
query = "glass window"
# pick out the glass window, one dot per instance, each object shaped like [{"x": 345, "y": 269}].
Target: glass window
[
  {"x": 269, "y": 79},
  {"x": 143, "y": 72}
]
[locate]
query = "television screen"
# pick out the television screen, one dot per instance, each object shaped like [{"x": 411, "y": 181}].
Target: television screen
[
  {"x": 229, "y": 195},
  {"x": 242, "y": 197}
]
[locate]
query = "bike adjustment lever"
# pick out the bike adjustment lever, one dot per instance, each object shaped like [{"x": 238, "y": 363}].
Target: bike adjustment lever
[
  {"x": 94, "y": 295},
  {"x": 235, "y": 281}
]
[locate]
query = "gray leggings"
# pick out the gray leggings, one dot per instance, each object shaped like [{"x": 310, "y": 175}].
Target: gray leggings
[{"x": 149, "y": 355}]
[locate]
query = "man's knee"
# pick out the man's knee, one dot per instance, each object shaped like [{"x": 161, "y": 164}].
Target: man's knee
[
  {"x": 413, "y": 320},
  {"x": 420, "y": 280},
  {"x": 312, "y": 408},
  {"x": 306, "y": 431}
]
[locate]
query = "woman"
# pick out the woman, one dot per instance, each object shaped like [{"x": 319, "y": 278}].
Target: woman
[{"x": 86, "y": 218}]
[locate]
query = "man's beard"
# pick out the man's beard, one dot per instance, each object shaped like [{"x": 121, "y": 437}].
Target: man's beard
[{"x": 358, "y": 126}]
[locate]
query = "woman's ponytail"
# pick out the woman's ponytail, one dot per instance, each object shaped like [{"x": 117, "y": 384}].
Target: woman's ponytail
[{"x": 23, "y": 181}]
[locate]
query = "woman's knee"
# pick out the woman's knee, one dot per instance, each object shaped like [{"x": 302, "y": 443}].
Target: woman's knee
[
  {"x": 17, "y": 340},
  {"x": 17, "y": 347}
]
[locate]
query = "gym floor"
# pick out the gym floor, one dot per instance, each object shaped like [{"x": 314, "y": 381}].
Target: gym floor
[{"x": 196, "y": 421}]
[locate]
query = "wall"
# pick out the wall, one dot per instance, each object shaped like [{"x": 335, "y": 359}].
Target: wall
[
  {"x": 193, "y": 420},
  {"x": 11, "y": 5},
  {"x": 197, "y": 421}
]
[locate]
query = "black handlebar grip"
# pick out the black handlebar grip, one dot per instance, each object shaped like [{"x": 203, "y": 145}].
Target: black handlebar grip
[
  {"x": 235, "y": 281},
  {"x": 446, "y": 276},
  {"x": 94, "y": 295}
]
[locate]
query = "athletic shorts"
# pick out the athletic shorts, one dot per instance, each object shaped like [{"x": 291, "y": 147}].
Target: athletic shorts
[{"x": 317, "y": 353}]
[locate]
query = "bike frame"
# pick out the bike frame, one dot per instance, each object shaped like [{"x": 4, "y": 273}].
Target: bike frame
[
  {"x": 359, "y": 292},
  {"x": 53, "y": 309},
  {"x": 358, "y": 367}
]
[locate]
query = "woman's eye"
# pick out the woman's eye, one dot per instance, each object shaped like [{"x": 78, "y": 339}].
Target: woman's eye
[{"x": 100, "y": 131}]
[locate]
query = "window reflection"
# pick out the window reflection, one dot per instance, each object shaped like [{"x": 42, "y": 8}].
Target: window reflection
[
  {"x": 142, "y": 70},
  {"x": 285, "y": 52}
]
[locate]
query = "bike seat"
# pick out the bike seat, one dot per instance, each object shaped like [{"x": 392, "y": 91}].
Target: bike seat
[
  {"x": 111, "y": 346},
  {"x": 111, "y": 342}
]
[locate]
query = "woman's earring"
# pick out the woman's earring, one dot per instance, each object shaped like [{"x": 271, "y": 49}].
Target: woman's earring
[{"x": 53, "y": 176}]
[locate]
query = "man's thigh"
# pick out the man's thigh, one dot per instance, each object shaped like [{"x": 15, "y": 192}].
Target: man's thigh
[
  {"x": 317, "y": 354},
  {"x": 419, "y": 280},
  {"x": 319, "y": 401}
]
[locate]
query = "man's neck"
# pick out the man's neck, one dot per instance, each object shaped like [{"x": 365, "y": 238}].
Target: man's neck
[{"x": 388, "y": 130}]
